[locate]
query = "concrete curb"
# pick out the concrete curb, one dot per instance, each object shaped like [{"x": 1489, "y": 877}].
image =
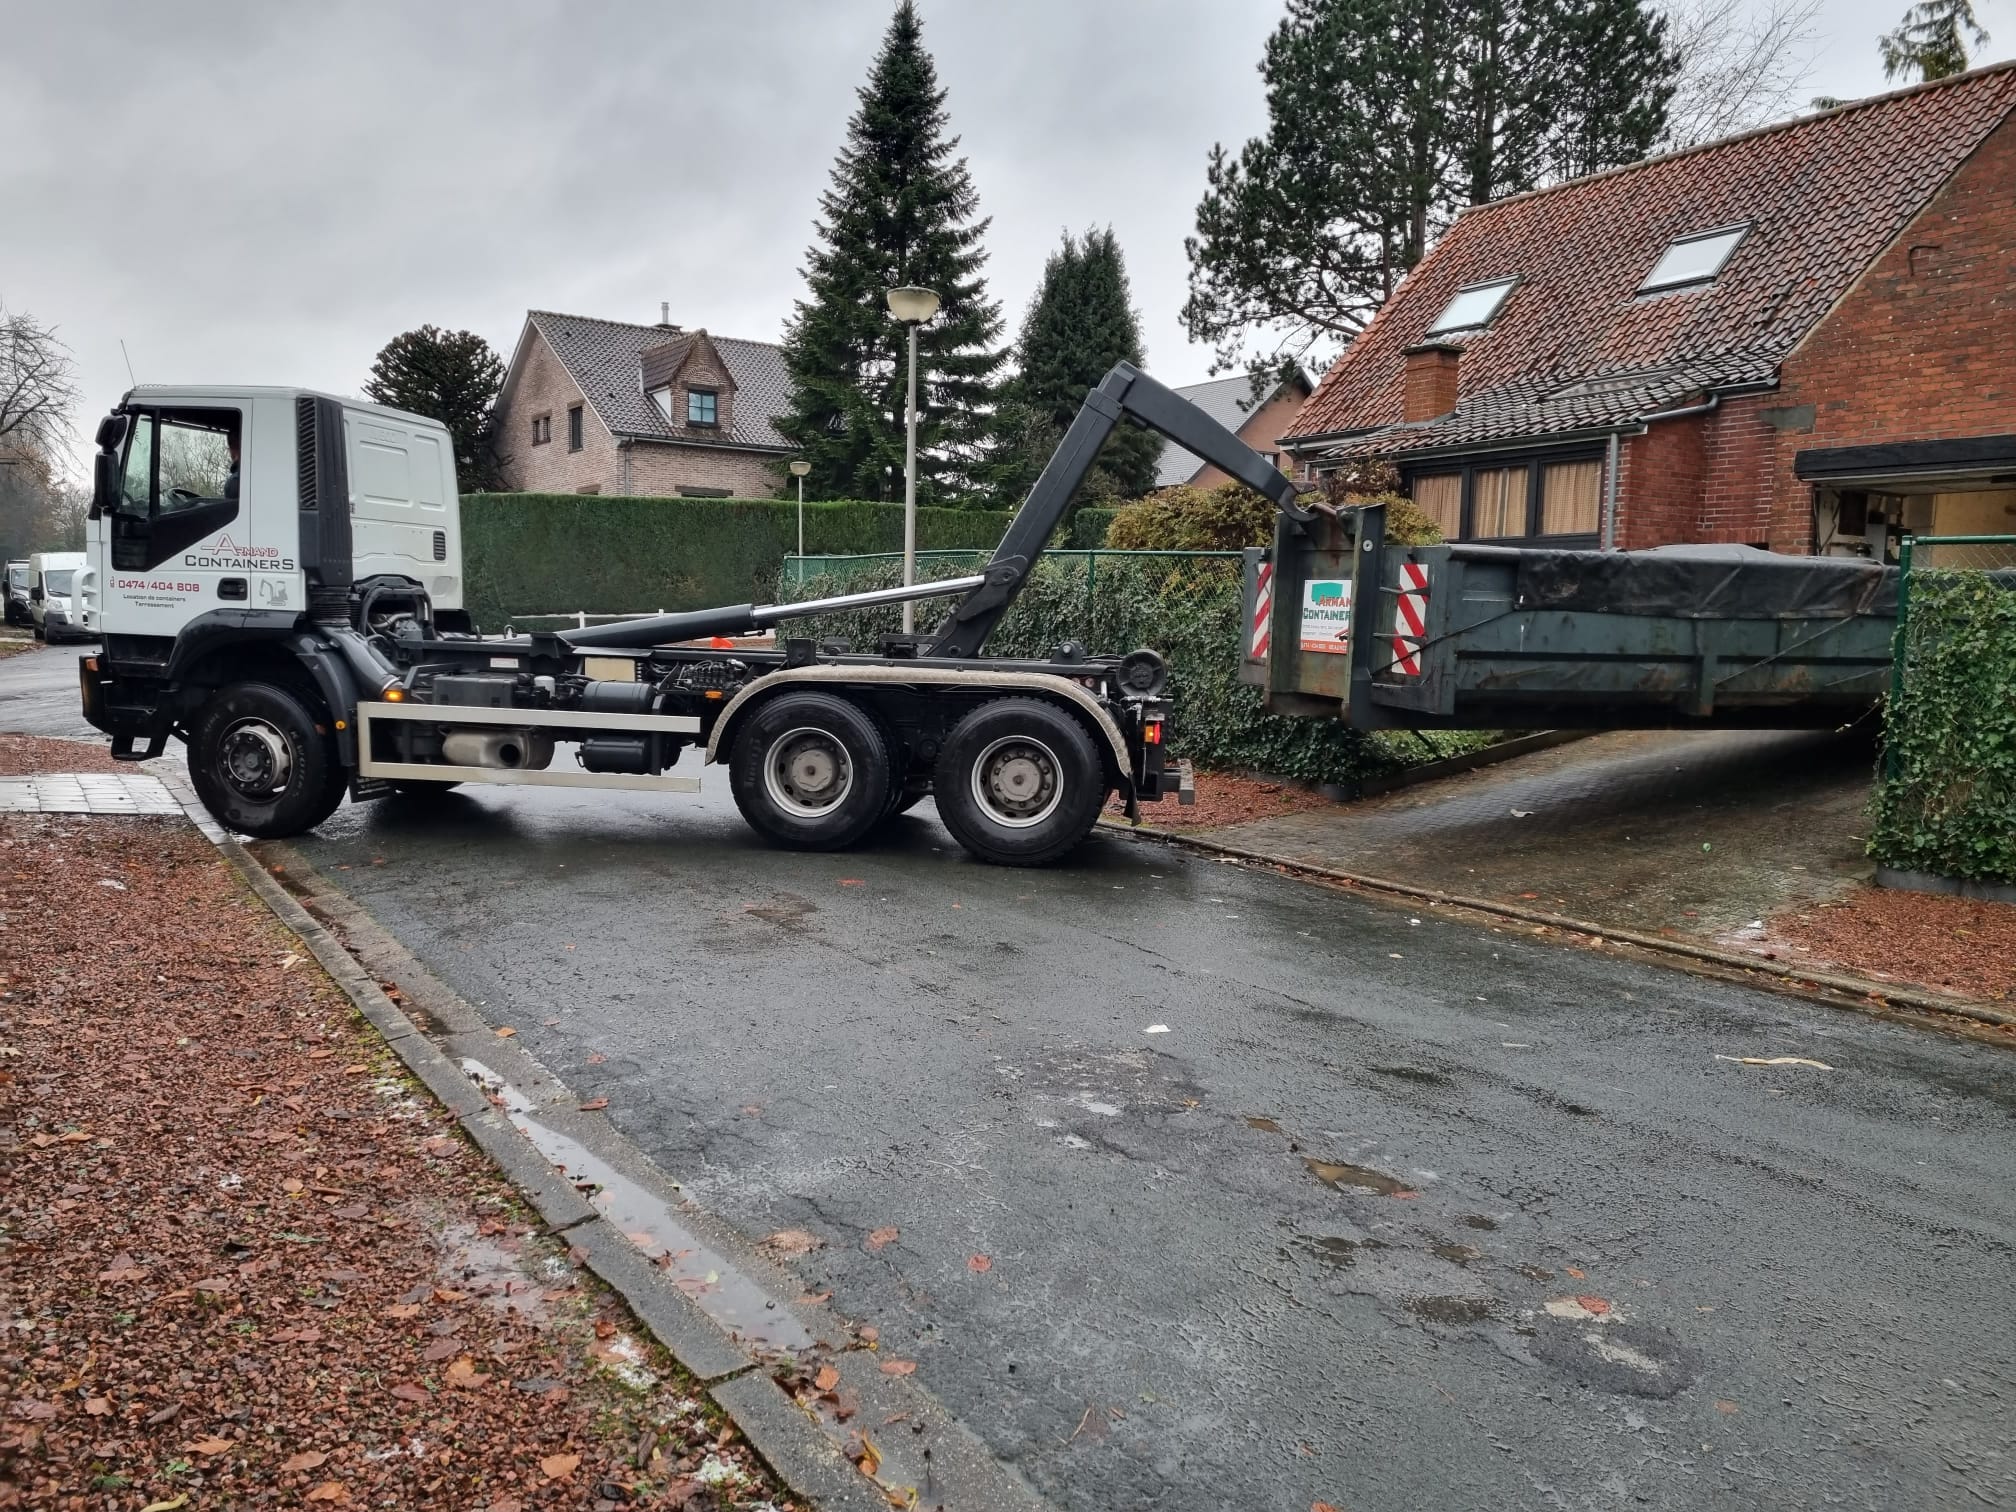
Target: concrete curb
[{"x": 1780, "y": 977}]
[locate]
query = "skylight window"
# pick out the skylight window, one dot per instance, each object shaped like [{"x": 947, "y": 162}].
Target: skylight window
[
  {"x": 1695, "y": 259},
  {"x": 1473, "y": 308}
]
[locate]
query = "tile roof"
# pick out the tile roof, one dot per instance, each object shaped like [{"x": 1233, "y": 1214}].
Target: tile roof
[
  {"x": 1230, "y": 402},
  {"x": 602, "y": 358},
  {"x": 1823, "y": 196}
]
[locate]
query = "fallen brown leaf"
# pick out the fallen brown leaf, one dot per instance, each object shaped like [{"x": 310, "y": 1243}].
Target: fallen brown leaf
[
  {"x": 99, "y": 1406},
  {"x": 463, "y": 1373},
  {"x": 793, "y": 1242},
  {"x": 292, "y": 1185},
  {"x": 122, "y": 1268},
  {"x": 595, "y": 1105},
  {"x": 827, "y": 1378},
  {"x": 307, "y": 1459},
  {"x": 899, "y": 1367},
  {"x": 1578, "y": 1275},
  {"x": 560, "y": 1466},
  {"x": 330, "y": 1491},
  {"x": 1726, "y": 1407},
  {"x": 403, "y": 1311},
  {"x": 408, "y": 1392},
  {"x": 440, "y": 1349},
  {"x": 883, "y": 1236},
  {"x": 506, "y": 1032},
  {"x": 979, "y": 1264},
  {"x": 322, "y": 1054},
  {"x": 444, "y": 1294},
  {"x": 1595, "y": 1305},
  {"x": 209, "y": 1446}
]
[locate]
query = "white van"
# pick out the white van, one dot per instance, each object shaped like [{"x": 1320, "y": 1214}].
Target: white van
[{"x": 52, "y": 595}]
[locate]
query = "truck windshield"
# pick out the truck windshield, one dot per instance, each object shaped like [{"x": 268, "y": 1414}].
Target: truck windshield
[{"x": 57, "y": 583}]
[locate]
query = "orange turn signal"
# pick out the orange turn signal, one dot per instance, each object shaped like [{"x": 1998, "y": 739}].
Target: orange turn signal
[
  {"x": 1151, "y": 734},
  {"x": 395, "y": 695}
]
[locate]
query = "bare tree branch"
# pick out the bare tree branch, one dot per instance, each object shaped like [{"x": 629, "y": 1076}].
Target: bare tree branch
[
  {"x": 38, "y": 386},
  {"x": 1741, "y": 64}
]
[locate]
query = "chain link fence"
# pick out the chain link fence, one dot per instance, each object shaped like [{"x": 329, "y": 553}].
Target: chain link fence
[{"x": 1947, "y": 803}]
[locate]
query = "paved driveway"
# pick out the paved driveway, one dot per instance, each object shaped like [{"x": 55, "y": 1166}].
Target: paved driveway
[{"x": 1284, "y": 1196}]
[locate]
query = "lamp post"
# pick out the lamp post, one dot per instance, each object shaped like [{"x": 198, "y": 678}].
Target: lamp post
[
  {"x": 798, "y": 470},
  {"x": 913, "y": 306}
]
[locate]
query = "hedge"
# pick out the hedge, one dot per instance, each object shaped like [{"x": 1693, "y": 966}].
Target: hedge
[
  {"x": 526, "y": 554},
  {"x": 1190, "y": 611},
  {"x": 1088, "y": 528},
  {"x": 1946, "y": 801}
]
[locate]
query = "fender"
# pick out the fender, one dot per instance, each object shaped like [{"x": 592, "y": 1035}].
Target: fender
[
  {"x": 1046, "y": 683},
  {"x": 219, "y": 628},
  {"x": 338, "y": 688}
]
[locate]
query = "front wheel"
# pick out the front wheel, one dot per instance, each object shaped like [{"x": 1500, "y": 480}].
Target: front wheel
[
  {"x": 810, "y": 771},
  {"x": 259, "y": 765},
  {"x": 1020, "y": 782}
]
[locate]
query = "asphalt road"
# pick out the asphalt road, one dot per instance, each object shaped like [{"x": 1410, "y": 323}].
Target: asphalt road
[{"x": 1394, "y": 1215}]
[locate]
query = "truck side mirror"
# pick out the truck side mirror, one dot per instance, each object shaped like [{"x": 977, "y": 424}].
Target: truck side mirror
[
  {"x": 35, "y": 594},
  {"x": 104, "y": 482}
]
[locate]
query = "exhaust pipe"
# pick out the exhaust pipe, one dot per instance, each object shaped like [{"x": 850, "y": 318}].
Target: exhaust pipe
[{"x": 510, "y": 750}]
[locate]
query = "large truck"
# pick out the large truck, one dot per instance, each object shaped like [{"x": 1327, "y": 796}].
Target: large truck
[{"x": 278, "y": 577}]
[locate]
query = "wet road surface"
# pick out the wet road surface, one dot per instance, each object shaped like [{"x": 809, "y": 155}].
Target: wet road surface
[{"x": 1283, "y": 1196}]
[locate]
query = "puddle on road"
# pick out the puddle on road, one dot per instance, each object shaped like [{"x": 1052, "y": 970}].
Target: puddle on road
[
  {"x": 1338, "y": 1175},
  {"x": 1264, "y": 1125},
  {"x": 1479, "y": 1221},
  {"x": 1451, "y": 1310},
  {"x": 1456, "y": 1254},
  {"x": 741, "y": 1307},
  {"x": 1339, "y": 1254},
  {"x": 1413, "y": 1074}
]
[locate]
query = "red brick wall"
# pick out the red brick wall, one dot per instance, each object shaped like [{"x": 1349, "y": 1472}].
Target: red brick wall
[
  {"x": 1920, "y": 349},
  {"x": 1659, "y": 483}
]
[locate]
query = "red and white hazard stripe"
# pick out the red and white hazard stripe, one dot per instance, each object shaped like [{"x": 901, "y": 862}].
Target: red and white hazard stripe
[
  {"x": 1263, "y": 611},
  {"x": 1410, "y": 619}
]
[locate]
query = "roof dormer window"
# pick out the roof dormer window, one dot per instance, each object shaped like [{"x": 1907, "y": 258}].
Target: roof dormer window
[
  {"x": 1474, "y": 307},
  {"x": 1691, "y": 260}
]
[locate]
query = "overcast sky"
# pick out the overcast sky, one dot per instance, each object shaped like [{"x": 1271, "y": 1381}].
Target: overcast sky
[{"x": 262, "y": 193}]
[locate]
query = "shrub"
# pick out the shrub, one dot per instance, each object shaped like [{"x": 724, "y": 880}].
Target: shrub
[
  {"x": 531, "y": 553},
  {"x": 1947, "y": 800},
  {"x": 1233, "y": 516}
]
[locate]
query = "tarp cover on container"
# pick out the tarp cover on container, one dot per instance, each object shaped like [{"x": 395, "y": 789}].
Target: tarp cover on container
[{"x": 1705, "y": 582}]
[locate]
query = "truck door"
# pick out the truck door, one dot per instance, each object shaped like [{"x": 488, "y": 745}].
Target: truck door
[{"x": 178, "y": 533}]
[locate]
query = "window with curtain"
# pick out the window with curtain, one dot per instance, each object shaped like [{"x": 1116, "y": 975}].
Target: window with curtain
[
  {"x": 1498, "y": 502},
  {"x": 1440, "y": 497},
  {"x": 1571, "y": 498}
]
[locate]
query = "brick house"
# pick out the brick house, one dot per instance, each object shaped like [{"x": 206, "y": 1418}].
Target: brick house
[
  {"x": 1797, "y": 338},
  {"x": 1255, "y": 419},
  {"x": 604, "y": 406}
]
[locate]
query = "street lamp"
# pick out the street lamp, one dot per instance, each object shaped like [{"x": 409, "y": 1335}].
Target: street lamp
[
  {"x": 798, "y": 471},
  {"x": 913, "y": 306}
]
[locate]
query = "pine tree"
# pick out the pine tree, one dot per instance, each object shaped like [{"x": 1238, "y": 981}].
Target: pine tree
[
  {"x": 1387, "y": 117},
  {"x": 1079, "y": 324},
  {"x": 1931, "y": 41},
  {"x": 901, "y": 210},
  {"x": 453, "y": 377}
]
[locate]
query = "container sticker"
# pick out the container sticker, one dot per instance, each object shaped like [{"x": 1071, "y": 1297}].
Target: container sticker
[{"x": 1326, "y": 615}]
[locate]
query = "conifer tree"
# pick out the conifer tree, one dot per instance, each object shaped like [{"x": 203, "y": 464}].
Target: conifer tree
[{"x": 901, "y": 210}]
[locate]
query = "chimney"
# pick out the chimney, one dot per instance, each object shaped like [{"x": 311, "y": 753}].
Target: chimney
[
  {"x": 1432, "y": 369},
  {"x": 664, "y": 312}
]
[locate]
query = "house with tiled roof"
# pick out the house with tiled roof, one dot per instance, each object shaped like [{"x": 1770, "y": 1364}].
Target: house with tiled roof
[
  {"x": 1798, "y": 338},
  {"x": 1257, "y": 418},
  {"x": 605, "y": 406}
]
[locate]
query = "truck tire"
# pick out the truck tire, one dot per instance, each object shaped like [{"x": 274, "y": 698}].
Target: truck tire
[
  {"x": 258, "y": 764},
  {"x": 1019, "y": 782},
  {"x": 810, "y": 771}
]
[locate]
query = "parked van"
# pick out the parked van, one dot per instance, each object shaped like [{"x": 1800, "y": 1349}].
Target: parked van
[
  {"x": 52, "y": 595},
  {"x": 14, "y": 590}
]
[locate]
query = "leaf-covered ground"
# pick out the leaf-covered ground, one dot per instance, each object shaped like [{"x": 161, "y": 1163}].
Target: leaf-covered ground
[
  {"x": 246, "y": 1262},
  {"x": 1952, "y": 945}
]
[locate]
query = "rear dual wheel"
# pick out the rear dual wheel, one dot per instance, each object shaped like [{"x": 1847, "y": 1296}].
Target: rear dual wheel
[
  {"x": 1020, "y": 782},
  {"x": 810, "y": 771}
]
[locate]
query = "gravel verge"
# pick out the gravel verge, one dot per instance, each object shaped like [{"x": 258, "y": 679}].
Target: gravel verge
[
  {"x": 1953, "y": 945},
  {"x": 245, "y": 1260}
]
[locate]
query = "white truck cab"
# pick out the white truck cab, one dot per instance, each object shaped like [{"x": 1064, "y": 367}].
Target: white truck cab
[{"x": 53, "y": 600}]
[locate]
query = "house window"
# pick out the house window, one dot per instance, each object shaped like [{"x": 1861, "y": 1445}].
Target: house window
[
  {"x": 1440, "y": 497},
  {"x": 1498, "y": 502},
  {"x": 1554, "y": 500},
  {"x": 542, "y": 429},
  {"x": 1696, "y": 259},
  {"x": 1571, "y": 497},
  {"x": 700, "y": 407},
  {"x": 1473, "y": 308},
  {"x": 574, "y": 427}
]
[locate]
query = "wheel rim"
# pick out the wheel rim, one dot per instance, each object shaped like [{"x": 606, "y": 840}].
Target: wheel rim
[
  {"x": 807, "y": 773},
  {"x": 255, "y": 759},
  {"x": 1017, "y": 781}
]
